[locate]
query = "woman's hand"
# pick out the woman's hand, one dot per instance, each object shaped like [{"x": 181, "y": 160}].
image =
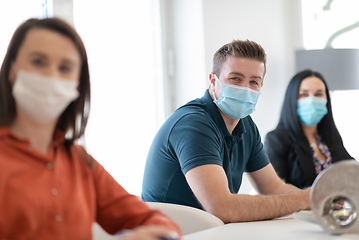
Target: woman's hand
[{"x": 148, "y": 233}]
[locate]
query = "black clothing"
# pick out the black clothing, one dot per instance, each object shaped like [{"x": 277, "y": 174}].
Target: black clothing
[{"x": 293, "y": 163}]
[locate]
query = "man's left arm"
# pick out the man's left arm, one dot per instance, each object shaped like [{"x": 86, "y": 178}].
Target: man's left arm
[
  {"x": 267, "y": 182},
  {"x": 265, "y": 179}
]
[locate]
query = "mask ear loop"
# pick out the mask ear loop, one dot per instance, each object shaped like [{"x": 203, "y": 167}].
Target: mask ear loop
[{"x": 217, "y": 79}]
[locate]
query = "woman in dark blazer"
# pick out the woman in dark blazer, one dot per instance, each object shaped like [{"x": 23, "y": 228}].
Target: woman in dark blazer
[{"x": 306, "y": 140}]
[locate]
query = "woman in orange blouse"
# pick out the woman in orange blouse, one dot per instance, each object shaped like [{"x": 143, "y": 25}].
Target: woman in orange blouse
[{"x": 50, "y": 187}]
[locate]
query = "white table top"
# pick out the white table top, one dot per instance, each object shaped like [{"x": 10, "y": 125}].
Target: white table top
[{"x": 286, "y": 228}]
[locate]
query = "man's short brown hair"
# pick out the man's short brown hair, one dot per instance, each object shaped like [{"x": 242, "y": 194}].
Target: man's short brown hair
[{"x": 239, "y": 48}]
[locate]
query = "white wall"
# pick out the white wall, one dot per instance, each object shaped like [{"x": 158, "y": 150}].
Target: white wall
[
  {"x": 184, "y": 51},
  {"x": 190, "y": 51}
]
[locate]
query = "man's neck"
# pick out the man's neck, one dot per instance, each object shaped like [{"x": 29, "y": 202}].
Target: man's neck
[{"x": 230, "y": 122}]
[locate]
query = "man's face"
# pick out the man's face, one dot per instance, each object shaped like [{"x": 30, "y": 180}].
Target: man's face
[{"x": 242, "y": 72}]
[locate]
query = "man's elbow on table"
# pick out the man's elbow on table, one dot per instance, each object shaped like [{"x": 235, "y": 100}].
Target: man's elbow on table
[
  {"x": 222, "y": 210},
  {"x": 210, "y": 186}
]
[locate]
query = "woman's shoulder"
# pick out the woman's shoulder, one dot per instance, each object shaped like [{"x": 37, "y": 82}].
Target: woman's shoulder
[
  {"x": 278, "y": 133},
  {"x": 277, "y": 143},
  {"x": 80, "y": 154},
  {"x": 278, "y": 139}
]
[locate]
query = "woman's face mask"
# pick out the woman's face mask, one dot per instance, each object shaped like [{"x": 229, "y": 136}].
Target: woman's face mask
[
  {"x": 43, "y": 98},
  {"x": 311, "y": 110},
  {"x": 235, "y": 101}
]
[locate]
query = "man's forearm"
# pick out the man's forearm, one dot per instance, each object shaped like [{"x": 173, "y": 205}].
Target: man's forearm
[
  {"x": 245, "y": 208},
  {"x": 286, "y": 188}
]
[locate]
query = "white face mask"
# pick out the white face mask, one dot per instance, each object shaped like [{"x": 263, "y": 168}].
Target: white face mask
[{"x": 43, "y": 98}]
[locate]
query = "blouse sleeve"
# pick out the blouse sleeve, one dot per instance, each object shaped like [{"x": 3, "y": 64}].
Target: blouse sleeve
[
  {"x": 276, "y": 146},
  {"x": 118, "y": 210}
]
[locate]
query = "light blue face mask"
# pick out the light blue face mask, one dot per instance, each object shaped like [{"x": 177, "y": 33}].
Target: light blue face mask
[
  {"x": 311, "y": 110},
  {"x": 235, "y": 101}
]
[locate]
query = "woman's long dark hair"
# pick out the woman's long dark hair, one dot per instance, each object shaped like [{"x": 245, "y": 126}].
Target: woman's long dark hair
[
  {"x": 74, "y": 118},
  {"x": 290, "y": 121}
]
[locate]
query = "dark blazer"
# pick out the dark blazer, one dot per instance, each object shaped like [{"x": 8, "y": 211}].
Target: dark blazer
[{"x": 293, "y": 162}]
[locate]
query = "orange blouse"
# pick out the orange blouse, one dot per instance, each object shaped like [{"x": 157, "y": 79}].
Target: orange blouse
[{"x": 57, "y": 196}]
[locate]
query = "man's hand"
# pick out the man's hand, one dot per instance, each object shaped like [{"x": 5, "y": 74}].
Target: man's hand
[{"x": 148, "y": 233}]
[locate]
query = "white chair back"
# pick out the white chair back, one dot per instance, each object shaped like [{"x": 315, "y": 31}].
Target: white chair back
[
  {"x": 99, "y": 234},
  {"x": 188, "y": 219}
]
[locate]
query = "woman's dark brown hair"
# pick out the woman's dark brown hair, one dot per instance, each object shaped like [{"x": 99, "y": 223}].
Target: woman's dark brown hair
[{"x": 74, "y": 119}]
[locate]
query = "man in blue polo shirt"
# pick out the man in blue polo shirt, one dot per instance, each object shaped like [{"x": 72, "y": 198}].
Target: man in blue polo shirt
[{"x": 199, "y": 155}]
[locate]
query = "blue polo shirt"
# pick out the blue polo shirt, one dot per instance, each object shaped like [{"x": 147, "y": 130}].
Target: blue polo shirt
[{"x": 195, "y": 135}]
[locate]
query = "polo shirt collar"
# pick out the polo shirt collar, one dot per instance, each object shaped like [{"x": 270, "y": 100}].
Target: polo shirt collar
[{"x": 217, "y": 117}]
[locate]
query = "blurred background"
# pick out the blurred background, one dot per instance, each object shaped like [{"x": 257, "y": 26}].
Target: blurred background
[{"x": 148, "y": 57}]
